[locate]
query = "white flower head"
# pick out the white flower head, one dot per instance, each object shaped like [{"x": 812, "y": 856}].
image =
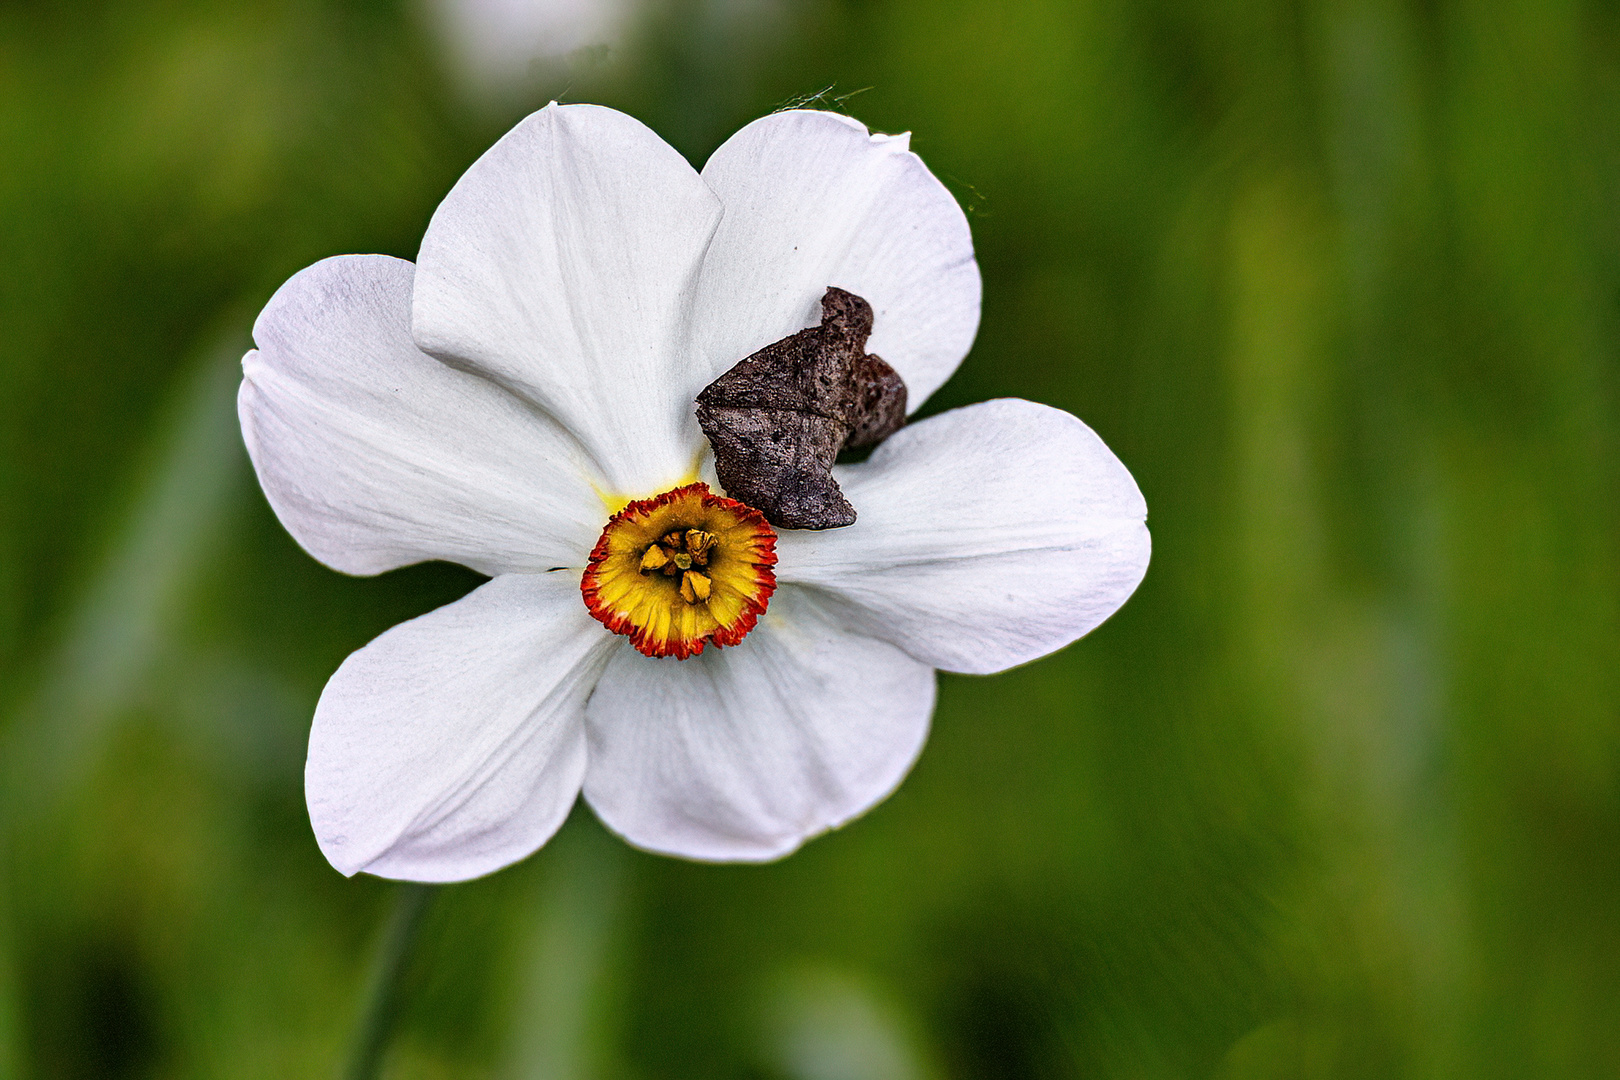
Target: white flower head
[
  {"x": 520, "y": 400},
  {"x": 496, "y": 46}
]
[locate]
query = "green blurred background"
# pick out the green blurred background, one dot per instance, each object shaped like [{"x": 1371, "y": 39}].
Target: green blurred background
[{"x": 1334, "y": 795}]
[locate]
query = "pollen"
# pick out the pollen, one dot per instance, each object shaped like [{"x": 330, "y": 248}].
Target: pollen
[{"x": 680, "y": 570}]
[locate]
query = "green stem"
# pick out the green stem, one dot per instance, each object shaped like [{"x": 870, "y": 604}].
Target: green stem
[{"x": 383, "y": 996}]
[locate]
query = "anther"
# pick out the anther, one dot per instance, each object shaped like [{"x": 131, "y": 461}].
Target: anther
[
  {"x": 694, "y": 587},
  {"x": 699, "y": 544}
]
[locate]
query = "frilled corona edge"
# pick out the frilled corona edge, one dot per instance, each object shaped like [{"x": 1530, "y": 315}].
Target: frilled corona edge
[{"x": 682, "y": 569}]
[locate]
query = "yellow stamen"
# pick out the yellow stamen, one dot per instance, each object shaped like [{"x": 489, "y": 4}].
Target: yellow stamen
[
  {"x": 698, "y": 543},
  {"x": 653, "y": 558},
  {"x": 694, "y": 587}
]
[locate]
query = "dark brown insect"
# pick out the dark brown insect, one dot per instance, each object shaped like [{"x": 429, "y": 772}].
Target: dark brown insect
[{"x": 778, "y": 418}]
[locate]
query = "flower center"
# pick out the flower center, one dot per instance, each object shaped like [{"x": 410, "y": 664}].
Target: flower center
[{"x": 679, "y": 570}]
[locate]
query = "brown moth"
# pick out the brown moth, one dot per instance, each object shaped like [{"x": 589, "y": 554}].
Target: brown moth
[{"x": 778, "y": 418}]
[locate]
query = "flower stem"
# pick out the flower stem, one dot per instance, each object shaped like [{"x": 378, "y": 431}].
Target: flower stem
[{"x": 383, "y": 996}]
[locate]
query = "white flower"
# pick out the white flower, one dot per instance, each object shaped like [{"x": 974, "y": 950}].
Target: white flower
[
  {"x": 496, "y": 45},
  {"x": 496, "y": 402}
]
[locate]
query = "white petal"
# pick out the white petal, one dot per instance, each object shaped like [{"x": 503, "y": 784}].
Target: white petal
[
  {"x": 375, "y": 455},
  {"x": 563, "y": 264},
  {"x": 742, "y": 754},
  {"x": 813, "y": 200},
  {"x": 986, "y": 537},
  {"x": 454, "y": 744}
]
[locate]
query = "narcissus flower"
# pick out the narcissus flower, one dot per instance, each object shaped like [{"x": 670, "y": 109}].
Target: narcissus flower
[{"x": 521, "y": 401}]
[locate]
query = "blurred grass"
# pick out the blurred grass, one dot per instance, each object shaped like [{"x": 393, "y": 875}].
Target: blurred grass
[{"x": 1334, "y": 796}]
